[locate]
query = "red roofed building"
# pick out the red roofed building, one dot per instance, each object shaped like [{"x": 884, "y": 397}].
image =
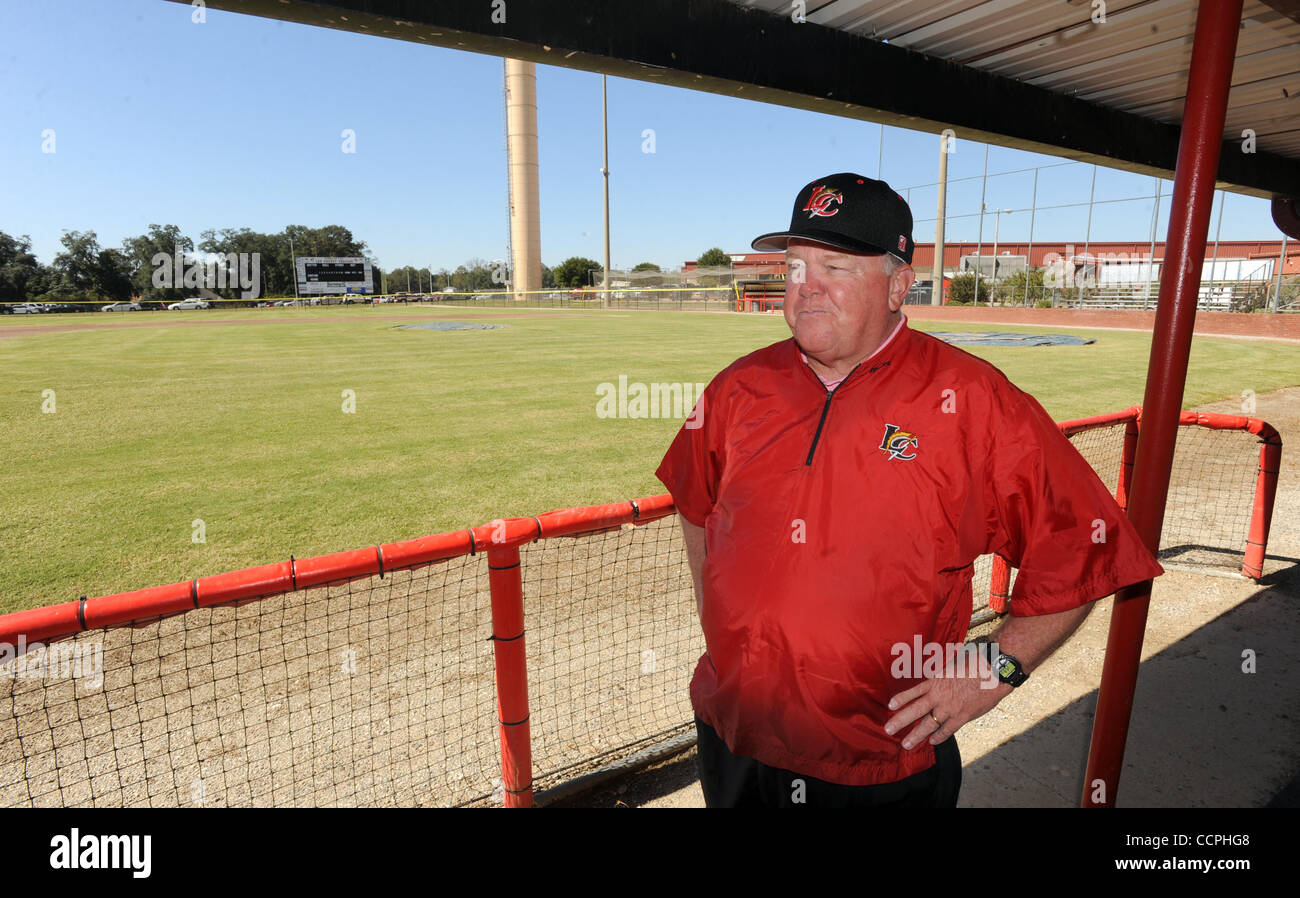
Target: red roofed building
[{"x": 760, "y": 277}]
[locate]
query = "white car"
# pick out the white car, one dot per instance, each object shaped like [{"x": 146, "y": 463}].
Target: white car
[
  {"x": 28, "y": 308},
  {"x": 122, "y": 307},
  {"x": 187, "y": 304}
]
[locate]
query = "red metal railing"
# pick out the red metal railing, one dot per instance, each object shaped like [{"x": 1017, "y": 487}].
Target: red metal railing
[
  {"x": 499, "y": 540},
  {"x": 1270, "y": 463},
  {"x": 54, "y": 622},
  {"x": 1270, "y": 459}
]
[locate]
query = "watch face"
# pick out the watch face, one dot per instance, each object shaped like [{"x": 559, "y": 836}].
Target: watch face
[{"x": 1009, "y": 670}]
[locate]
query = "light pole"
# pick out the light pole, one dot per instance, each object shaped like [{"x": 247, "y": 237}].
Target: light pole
[
  {"x": 979, "y": 245},
  {"x": 293, "y": 268},
  {"x": 604, "y": 171},
  {"x": 997, "y": 220},
  {"x": 1277, "y": 283}
]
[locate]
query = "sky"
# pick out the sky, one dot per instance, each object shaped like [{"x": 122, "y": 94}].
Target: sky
[{"x": 239, "y": 121}]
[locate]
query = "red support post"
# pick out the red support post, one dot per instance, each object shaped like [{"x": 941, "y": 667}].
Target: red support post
[
  {"x": 1125, "y": 483},
  {"x": 506, "y": 583},
  {"x": 1208, "y": 79},
  {"x": 1270, "y": 462},
  {"x": 999, "y": 585}
]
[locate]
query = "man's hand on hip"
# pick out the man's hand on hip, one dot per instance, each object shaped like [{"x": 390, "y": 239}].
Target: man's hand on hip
[
  {"x": 942, "y": 705},
  {"x": 938, "y": 707}
]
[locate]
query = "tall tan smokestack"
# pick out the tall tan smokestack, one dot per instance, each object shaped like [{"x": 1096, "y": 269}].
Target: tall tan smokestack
[{"x": 521, "y": 150}]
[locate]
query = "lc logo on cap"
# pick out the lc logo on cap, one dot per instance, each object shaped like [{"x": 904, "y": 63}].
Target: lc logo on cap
[
  {"x": 820, "y": 199},
  {"x": 846, "y": 211},
  {"x": 897, "y": 443}
]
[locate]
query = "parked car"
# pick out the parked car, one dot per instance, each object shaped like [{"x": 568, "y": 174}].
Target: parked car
[
  {"x": 188, "y": 304},
  {"x": 27, "y": 308},
  {"x": 122, "y": 307}
]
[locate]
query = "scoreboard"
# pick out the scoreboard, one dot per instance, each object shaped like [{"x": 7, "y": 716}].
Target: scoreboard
[{"x": 318, "y": 276}]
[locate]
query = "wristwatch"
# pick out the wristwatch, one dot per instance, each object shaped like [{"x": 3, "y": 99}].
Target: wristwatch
[{"x": 1008, "y": 668}]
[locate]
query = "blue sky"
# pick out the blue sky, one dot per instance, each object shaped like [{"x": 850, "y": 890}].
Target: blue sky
[{"x": 238, "y": 122}]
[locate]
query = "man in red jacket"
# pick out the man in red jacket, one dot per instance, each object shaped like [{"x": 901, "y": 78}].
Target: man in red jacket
[{"x": 834, "y": 490}]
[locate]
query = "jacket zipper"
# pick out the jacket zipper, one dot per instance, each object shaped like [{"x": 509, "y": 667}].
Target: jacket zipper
[{"x": 830, "y": 394}]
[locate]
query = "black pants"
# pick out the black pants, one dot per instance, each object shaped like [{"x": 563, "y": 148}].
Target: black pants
[{"x": 734, "y": 781}]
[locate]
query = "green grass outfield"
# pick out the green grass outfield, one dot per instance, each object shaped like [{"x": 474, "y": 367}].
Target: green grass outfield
[{"x": 241, "y": 425}]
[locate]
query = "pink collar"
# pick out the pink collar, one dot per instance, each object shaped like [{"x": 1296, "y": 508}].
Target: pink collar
[{"x": 835, "y": 382}]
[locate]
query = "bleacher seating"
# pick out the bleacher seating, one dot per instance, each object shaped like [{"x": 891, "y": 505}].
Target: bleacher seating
[{"x": 1217, "y": 297}]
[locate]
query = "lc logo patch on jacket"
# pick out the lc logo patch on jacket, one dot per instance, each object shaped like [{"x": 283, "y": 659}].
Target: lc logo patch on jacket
[{"x": 842, "y": 523}]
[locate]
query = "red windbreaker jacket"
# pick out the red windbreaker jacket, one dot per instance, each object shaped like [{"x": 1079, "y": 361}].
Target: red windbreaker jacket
[{"x": 841, "y": 524}]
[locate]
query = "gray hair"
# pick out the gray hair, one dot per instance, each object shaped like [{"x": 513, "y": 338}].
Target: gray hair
[{"x": 891, "y": 264}]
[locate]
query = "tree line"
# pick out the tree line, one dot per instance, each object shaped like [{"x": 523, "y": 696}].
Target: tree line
[{"x": 85, "y": 271}]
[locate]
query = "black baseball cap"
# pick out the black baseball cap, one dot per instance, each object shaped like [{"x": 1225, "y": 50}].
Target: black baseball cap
[{"x": 848, "y": 211}]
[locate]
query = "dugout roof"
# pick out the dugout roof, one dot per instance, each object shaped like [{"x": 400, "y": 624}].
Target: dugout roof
[{"x": 1034, "y": 75}]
